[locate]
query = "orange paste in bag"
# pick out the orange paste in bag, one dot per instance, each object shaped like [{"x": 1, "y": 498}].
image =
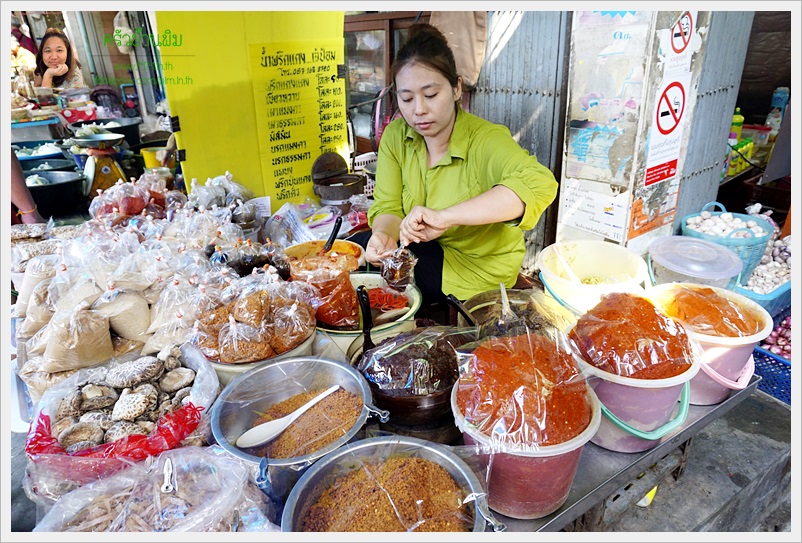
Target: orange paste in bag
[
  {"x": 534, "y": 387},
  {"x": 625, "y": 334},
  {"x": 704, "y": 311}
]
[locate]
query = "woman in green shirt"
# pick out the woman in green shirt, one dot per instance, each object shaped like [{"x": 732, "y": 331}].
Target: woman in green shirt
[{"x": 457, "y": 189}]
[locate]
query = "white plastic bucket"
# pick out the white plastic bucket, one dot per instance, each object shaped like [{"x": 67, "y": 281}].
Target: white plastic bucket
[
  {"x": 637, "y": 412},
  {"x": 614, "y": 267},
  {"x": 726, "y": 362},
  {"x": 528, "y": 484}
]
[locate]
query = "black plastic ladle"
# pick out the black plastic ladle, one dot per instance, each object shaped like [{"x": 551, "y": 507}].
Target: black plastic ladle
[
  {"x": 334, "y": 231},
  {"x": 367, "y": 317},
  {"x": 459, "y": 306}
]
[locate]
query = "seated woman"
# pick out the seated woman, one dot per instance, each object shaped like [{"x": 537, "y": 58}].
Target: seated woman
[
  {"x": 456, "y": 189},
  {"x": 56, "y": 63}
]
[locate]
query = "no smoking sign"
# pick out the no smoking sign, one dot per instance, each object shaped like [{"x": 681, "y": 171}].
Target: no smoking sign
[
  {"x": 670, "y": 107},
  {"x": 681, "y": 33}
]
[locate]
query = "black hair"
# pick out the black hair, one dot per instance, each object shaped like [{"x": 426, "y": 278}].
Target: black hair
[{"x": 428, "y": 46}]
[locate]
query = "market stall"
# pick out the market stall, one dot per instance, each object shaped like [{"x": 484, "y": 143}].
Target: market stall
[{"x": 222, "y": 358}]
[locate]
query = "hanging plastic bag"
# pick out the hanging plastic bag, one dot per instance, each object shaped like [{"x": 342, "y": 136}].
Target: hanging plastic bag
[{"x": 122, "y": 33}]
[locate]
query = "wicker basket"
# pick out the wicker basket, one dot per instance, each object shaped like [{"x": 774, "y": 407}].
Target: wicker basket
[{"x": 749, "y": 249}]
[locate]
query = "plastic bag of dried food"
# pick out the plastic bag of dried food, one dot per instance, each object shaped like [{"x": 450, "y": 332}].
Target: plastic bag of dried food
[
  {"x": 176, "y": 299},
  {"x": 391, "y": 484},
  {"x": 21, "y": 253},
  {"x": 398, "y": 269},
  {"x": 416, "y": 363},
  {"x": 205, "y": 196},
  {"x": 338, "y": 305},
  {"x": 128, "y": 313},
  {"x": 77, "y": 339},
  {"x": 174, "y": 331},
  {"x": 244, "y": 212},
  {"x": 252, "y": 306},
  {"x": 185, "y": 386},
  {"x": 232, "y": 188},
  {"x": 25, "y": 231},
  {"x": 39, "y": 268},
  {"x": 704, "y": 311},
  {"x": 37, "y": 380},
  {"x": 626, "y": 335},
  {"x": 206, "y": 339},
  {"x": 39, "y": 313},
  {"x": 211, "y": 492},
  {"x": 241, "y": 343},
  {"x": 292, "y": 324},
  {"x": 71, "y": 287}
]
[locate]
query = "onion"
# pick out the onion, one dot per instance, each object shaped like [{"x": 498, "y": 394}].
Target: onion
[{"x": 775, "y": 349}]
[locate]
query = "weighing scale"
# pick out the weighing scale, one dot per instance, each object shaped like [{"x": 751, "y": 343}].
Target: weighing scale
[{"x": 101, "y": 169}]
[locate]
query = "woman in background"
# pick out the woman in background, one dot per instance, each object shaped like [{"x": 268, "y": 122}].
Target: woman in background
[{"x": 56, "y": 64}]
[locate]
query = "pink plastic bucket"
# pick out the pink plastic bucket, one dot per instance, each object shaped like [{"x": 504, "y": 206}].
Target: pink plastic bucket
[
  {"x": 531, "y": 483},
  {"x": 637, "y": 413},
  {"x": 726, "y": 362}
]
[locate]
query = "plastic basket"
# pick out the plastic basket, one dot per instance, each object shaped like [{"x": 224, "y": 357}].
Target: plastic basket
[
  {"x": 749, "y": 249},
  {"x": 774, "y": 369},
  {"x": 776, "y": 374},
  {"x": 774, "y": 302},
  {"x": 360, "y": 161}
]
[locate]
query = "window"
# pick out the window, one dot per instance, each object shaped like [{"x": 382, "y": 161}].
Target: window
[{"x": 371, "y": 41}]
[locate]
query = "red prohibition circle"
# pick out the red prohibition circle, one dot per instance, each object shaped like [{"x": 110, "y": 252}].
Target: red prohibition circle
[
  {"x": 686, "y": 39},
  {"x": 676, "y": 116}
]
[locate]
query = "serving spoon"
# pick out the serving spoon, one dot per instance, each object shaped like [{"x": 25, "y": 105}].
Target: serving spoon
[{"x": 268, "y": 431}]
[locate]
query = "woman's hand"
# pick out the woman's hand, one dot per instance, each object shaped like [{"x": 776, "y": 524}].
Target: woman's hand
[
  {"x": 423, "y": 224},
  {"x": 59, "y": 70},
  {"x": 379, "y": 245}
]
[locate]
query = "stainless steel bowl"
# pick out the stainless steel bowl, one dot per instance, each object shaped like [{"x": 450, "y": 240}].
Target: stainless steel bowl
[
  {"x": 350, "y": 457},
  {"x": 99, "y": 141},
  {"x": 235, "y": 409}
]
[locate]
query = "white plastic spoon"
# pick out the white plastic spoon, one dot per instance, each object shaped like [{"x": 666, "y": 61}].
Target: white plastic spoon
[
  {"x": 571, "y": 275},
  {"x": 267, "y": 431}
]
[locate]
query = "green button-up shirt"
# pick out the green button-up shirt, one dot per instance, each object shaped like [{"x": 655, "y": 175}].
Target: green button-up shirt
[{"x": 480, "y": 155}]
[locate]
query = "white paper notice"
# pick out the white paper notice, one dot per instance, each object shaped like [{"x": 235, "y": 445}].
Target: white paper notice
[{"x": 591, "y": 206}]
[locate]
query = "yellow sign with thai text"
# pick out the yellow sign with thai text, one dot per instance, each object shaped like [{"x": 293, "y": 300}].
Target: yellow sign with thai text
[{"x": 300, "y": 112}]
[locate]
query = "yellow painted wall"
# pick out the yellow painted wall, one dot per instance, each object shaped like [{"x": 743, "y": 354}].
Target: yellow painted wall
[{"x": 209, "y": 86}]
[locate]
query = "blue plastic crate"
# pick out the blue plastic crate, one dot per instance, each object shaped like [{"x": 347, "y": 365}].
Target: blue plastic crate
[
  {"x": 774, "y": 369},
  {"x": 774, "y": 302}
]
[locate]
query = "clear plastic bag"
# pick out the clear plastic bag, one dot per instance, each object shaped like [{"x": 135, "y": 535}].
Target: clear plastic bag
[
  {"x": 53, "y": 472},
  {"x": 39, "y": 312},
  {"x": 398, "y": 269},
  {"x": 234, "y": 191},
  {"x": 77, "y": 338},
  {"x": 292, "y": 322},
  {"x": 241, "y": 343},
  {"x": 176, "y": 299},
  {"x": 416, "y": 363},
  {"x": 626, "y": 335},
  {"x": 128, "y": 313},
  {"x": 39, "y": 268},
  {"x": 391, "y": 485},
  {"x": 211, "y": 489},
  {"x": 704, "y": 311},
  {"x": 338, "y": 304}
]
